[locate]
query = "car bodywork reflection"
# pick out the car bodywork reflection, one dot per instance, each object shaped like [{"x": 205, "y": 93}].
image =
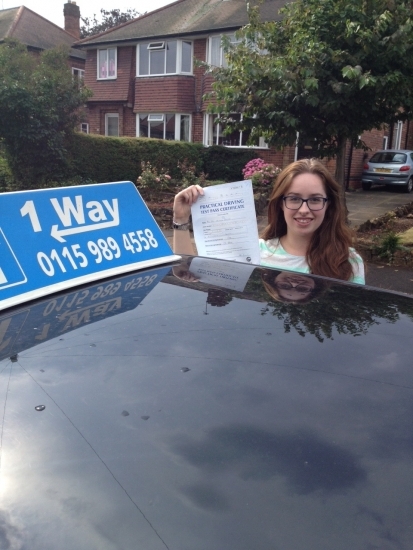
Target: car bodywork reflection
[{"x": 210, "y": 417}]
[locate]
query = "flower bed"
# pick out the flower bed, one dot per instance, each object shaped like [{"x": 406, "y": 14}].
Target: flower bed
[{"x": 379, "y": 240}]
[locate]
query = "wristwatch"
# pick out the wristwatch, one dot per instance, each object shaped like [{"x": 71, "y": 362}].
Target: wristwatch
[{"x": 181, "y": 226}]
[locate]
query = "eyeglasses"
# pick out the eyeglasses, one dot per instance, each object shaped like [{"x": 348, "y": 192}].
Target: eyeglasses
[
  {"x": 301, "y": 288},
  {"x": 313, "y": 203}
]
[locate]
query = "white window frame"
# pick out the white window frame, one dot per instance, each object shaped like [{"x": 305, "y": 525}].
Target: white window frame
[
  {"x": 78, "y": 73},
  {"x": 161, "y": 117},
  {"x": 385, "y": 142},
  {"x": 107, "y": 61},
  {"x": 107, "y": 116},
  {"x": 156, "y": 118},
  {"x": 222, "y": 58},
  {"x": 178, "y": 60},
  {"x": 84, "y": 127},
  {"x": 156, "y": 46},
  {"x": 208, "y": 117}
]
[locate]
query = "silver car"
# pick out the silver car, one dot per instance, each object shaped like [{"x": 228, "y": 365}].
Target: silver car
[{"x": 390, "y": 167}]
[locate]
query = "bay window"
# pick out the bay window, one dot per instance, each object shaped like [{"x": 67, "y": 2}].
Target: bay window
[
  {"x": 216, "y": 54},
  {"x": 214, "y": 134},
  {"x": 164, "y": 126},
  {"x": 164, "y": 57}
]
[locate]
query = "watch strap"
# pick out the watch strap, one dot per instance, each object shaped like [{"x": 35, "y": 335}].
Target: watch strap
[{"x": 181, "y": 226}]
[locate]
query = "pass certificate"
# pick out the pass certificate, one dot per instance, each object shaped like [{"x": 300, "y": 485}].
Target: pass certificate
[{"x": 225, "y": 224}]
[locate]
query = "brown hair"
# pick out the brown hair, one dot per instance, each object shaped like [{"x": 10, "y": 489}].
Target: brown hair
[
  {"x": 269, "y": 278},
  {"x": 328, "y": 252}
]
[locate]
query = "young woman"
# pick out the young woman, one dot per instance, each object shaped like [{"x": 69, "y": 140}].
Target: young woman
[{"x": 306, "y": 229}]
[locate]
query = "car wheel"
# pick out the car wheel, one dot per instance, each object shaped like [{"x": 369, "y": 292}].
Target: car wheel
[
  {"x": 409, "y": 186},
  {"x": 366, "y": 186}
]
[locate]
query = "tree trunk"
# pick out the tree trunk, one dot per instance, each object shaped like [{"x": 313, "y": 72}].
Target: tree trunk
[{"x": 340, "y": 171}]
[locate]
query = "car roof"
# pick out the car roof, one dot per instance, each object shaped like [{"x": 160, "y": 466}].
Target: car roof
[
  {"x": 190, "y": 407},
  {"x": 394, "y": 151}
]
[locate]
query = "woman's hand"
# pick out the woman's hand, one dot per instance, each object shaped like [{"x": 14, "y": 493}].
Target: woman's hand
[{"x": 183, "y": 202}]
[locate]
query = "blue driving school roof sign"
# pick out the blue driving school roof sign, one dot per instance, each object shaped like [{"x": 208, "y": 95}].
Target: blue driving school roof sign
[{"x": 53, "y": 239}]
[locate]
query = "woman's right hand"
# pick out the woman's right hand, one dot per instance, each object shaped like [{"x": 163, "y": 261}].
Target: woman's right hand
[{"x": 183, "y": 202}]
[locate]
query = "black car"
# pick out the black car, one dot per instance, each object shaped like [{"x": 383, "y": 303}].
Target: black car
[
  {"x": 208, "y": 405},
  {"x": 389, "y": 167}
]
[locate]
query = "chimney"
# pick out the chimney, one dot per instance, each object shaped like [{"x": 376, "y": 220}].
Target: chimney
[{"x": 72, "y": 19}]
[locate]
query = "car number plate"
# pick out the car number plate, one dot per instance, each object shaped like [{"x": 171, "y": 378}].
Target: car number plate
[{"x": 383, "y": 170}]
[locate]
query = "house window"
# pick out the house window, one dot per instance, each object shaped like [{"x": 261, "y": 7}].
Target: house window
[
  {"x": 214, "y": 134},
  {"x": 78, "y": 74},
  {"x": 112, "y": 124},
  {"x": 385, "y": 142},
  {"x": 164, "y": 57},
  {"x": 164, "y": 126},
  {"x": 107, "y": 61},
  {"x": 84, "y": 127},
  {"x": 216, "y": 53}
]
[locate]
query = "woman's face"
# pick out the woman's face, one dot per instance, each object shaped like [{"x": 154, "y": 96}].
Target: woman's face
[
  {"x": 293, "y": 287},
  {"x": 304, "y": 222}
]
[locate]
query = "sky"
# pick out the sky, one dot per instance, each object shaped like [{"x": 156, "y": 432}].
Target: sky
[{"x": 53, "y": 9}]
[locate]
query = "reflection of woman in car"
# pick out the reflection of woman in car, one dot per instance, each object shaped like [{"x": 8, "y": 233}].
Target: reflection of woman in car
[
  {"x": 292, "y": 287},
  {"x": 306, "y": 229},
  {"x": 182, "y": 272}
]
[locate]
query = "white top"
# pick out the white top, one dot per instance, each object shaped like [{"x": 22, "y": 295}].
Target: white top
[{"x": 274, "y": 255}]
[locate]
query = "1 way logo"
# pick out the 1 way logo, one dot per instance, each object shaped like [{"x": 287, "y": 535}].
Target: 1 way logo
[
  {"x": 75, "y": 216},
  {"x": 63, "y": 237},
  {"x": 97, "y": 212}
]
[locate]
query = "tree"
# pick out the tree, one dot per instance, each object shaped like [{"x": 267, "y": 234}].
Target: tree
[
  {"x": 39, "y": 109},
  {"x": 110, "y": 19},
  {"x": 329, "y": 69}
]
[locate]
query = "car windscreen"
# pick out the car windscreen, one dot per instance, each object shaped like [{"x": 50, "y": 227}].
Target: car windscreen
[{"x": 388, "y": 157}]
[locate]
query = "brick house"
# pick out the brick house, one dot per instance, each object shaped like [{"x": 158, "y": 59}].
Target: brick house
[
  {"x": 144, "y": 77},
  {"x": 38, "y": 34},
  {"x": 146, "y": 83}
]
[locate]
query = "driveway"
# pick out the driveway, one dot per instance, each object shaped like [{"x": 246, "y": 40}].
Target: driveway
[{"x": 367, "y": 205}]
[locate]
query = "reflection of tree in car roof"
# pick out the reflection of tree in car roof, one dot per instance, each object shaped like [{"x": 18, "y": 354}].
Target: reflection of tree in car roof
[
  {"x": 218, "y": 297},
  {"x": 339, "y": 310}
]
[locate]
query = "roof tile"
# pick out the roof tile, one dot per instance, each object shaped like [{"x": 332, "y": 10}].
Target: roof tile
[
  {"x": 34, "y": 31},
  {"x": 185, "y": 17}
]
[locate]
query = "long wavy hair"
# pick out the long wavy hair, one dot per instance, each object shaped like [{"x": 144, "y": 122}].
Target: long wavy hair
[{"x": 328, "y": 251}]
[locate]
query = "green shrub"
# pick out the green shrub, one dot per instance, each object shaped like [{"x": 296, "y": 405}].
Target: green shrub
[
  {"x": 150, "y": 178},
  {"x": 104, "y": 159},
  {"x": 389, "y": 244},
  {"x": 101, "y": 159},
  {"x": 6, "y": 179},
  {"x": 222, "y": 163}
]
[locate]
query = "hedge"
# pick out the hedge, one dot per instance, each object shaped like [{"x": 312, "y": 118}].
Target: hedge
[
  {"x": 102, "y": 159},
  {"x": 222, "y": 163}
]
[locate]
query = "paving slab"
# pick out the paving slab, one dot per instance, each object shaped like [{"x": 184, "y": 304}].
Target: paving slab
[{"x": 367, "y": 205}]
